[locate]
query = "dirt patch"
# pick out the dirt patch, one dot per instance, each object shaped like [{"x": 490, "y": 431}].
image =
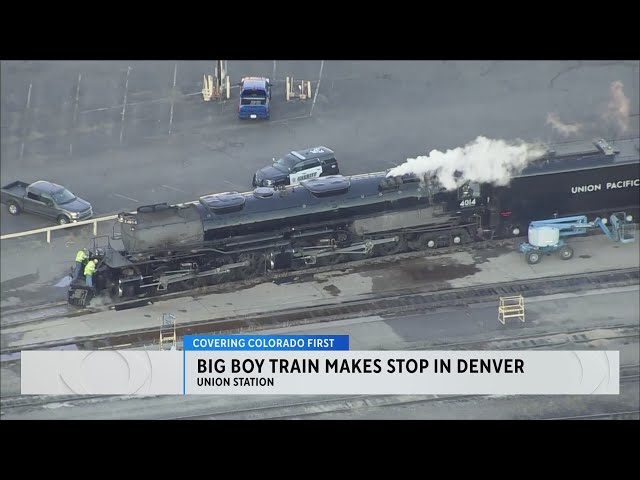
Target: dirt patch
[
  {"x": 332, "y": 289},
  {"x": 408, "y": 274}
]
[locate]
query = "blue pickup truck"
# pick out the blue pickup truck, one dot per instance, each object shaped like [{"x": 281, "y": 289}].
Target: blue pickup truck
[{"x": 255, "y": 98}]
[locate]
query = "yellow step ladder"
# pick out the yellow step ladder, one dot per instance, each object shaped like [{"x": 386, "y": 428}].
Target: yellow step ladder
[
  {"x": 511, "y": 307},
  {"x": 168, "y": 330}
]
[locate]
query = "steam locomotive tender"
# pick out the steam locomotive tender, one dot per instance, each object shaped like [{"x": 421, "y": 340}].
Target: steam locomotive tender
[{"x": 328, "y": 220}]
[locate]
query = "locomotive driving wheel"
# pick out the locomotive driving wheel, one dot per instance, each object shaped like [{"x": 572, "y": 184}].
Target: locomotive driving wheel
[
  {"x": 256, "y": 265},
  {"x": 427, "y": 241},
  {"x": 342, "y": 237},
  {"x": 123, "y": 287}
]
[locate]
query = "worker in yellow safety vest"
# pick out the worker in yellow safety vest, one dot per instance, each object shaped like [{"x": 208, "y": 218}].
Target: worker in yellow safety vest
[
  {"x": 81, "y": 256},
  {"x": 89, "y": 270}
]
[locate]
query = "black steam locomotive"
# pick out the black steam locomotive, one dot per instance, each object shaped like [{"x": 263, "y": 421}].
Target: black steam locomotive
[{"x": 329, "y": 220}]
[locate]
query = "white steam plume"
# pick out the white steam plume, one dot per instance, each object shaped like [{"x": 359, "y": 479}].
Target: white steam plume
[
  {"x": 565, "y": 129},
  {"x": 618, "y": 108},
  {"x": 483, "y": 160}
]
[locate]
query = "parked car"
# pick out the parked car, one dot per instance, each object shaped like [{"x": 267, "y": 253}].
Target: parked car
[
  {"x": 255, "y": 98},
  {"x": 296, "y": 166},
  {"x": 46, "y": 199}
]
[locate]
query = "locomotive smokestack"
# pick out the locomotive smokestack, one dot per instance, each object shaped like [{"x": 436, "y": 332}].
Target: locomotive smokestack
[{"x": 483, "y": 160}]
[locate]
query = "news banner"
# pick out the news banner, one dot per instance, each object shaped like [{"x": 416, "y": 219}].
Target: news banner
[{"x": 315, "y": 365}]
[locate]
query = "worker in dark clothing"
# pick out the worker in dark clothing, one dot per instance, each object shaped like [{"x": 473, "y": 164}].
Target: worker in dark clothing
[
  {"x": 81, "y": 256},
  {"x": 89, "y": 270}
]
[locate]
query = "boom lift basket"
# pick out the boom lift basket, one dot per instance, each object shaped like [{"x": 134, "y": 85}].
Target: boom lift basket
[{"x": 623, "y": 230}]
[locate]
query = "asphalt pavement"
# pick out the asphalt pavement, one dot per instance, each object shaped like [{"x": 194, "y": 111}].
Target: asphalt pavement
[{"x": 125, "y": 134}]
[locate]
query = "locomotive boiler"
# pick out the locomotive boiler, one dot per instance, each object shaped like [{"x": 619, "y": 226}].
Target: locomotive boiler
[{"x": 323, "y": 221}]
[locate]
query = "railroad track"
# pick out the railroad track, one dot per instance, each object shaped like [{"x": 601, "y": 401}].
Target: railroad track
[
  {"x": 628, "y": 373},
  {"x": 37, "y": 313},
  {"x": 274, "y": 412},
  {"x": 629, "y": 415},
  {"x": 403, "y": 301},
  {"x": 17, "y": 401},
  {"x": 547, "y": 340},
  {"x": 301, "y": 410},
  {"x": 348, "y": 404}
]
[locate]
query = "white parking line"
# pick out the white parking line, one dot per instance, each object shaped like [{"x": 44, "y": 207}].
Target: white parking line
[
  {"x": 173, "y": 188},
  {"x": 175, "y": 72},
  {"x": 284, "y": 120},
  {"x": 126, "y": 198},
  {"x": 75, "y": 109},
  {"x": 25, "y": 111},
  {"x": 75, "y": 112},
  {"x": 124, "y": 104},
  {"x": 233, "y": 185},
  {"x": 100, "y": 109},
  {"x": 315, "y": 95}
]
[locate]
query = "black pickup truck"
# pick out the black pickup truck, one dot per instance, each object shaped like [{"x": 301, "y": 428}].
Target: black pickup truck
[{"x": 46, "y": 199}]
